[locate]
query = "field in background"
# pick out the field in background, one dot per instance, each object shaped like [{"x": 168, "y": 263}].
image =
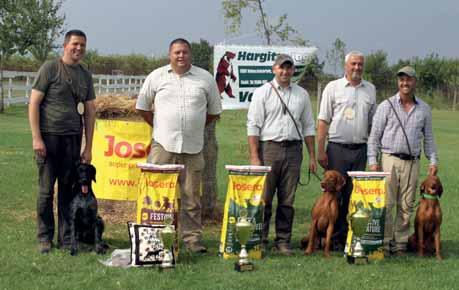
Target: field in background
[{"x": 22, "y": 267}]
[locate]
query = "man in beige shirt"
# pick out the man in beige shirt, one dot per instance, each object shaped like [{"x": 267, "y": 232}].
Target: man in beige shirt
[
  {"x": 178, "y": 100},
  {"x": 346, "y": 112}
]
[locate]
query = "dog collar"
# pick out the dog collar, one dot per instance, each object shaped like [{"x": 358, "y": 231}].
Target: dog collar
[{"x": 430, "y": 196}]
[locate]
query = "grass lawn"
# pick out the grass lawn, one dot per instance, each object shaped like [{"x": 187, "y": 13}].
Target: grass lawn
[{"x": 22, "y": 267}]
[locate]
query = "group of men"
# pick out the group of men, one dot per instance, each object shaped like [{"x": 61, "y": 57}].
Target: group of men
[{"x": 179, "y": 99}]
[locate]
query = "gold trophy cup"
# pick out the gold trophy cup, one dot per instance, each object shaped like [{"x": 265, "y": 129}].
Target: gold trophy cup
[
  {"x": 244, "y": 231},
  {"x": 358, "y": 222},
  {"x": 167, "y": 236}
]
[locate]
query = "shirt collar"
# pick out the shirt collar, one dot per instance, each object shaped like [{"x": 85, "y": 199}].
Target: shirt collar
[
  {"x": 397, "y": 97},
  {"x": 192, "y": 69},
  {"x": 346, "y": 83},
  {"x": 277, "y": 86}
]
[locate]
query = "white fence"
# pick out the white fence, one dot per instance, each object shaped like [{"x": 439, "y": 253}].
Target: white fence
[{"x": 18, "y": 85}]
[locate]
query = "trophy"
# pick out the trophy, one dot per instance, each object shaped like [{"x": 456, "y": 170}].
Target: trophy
[
  {"x": 244, "y": 231},
  {"x": 167, "y": 236},
  {"x": 358, "y": 222}
]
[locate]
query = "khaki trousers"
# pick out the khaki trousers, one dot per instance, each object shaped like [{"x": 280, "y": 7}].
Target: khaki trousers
[
  {"x": 400, "y": 195},
  {"x": 190, "y": 225}
]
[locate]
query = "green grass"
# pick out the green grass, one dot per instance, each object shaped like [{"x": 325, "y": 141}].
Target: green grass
[{"x": 22, "y": 267}]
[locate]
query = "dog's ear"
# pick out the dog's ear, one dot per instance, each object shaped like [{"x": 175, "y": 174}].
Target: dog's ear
[
  {"x": 92, "y": 169},
  {"x": 423, "y": 187},
  {"x": 439, "y": 188}
]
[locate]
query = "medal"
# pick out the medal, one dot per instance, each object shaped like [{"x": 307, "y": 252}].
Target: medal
[
  {"x": 349, "y": 113},
  {"x": 80, "y": 108}
]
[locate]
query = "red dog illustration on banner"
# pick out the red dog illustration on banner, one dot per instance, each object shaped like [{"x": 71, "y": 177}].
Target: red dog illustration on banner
[{"x": 224, "y": 69}]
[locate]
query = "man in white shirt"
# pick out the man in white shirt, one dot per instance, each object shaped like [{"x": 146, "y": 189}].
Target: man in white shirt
[
  {"x": 178, "y": 100},
  {"x": 346, "y": 112},
  {"x": 279, "y": 118}
]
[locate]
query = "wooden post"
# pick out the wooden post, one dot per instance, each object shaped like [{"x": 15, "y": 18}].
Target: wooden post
[
  {"x": 107, "y": 83},
  {"x": 10, "y": 91},
  {"x": 100, "y": 86},
  {"x": 27, "y": 87}
]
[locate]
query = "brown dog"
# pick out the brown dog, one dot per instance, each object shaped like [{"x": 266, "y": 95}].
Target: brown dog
[
  {"x": 325, "y": 212},
  {"x": 426, "y": 237}
]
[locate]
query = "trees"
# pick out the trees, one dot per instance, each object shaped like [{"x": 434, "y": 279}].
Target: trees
[
  {"x": 378, "y": 72},
  {"x": 24, "y": 25},
  {"x": 46, "y": 17},
  {"x": 271, "y": 31},
  {"x": 335, "y": 56}
]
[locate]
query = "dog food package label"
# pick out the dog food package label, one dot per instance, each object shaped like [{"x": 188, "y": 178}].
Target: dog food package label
[
  {"x": 158, "y": 193},
  {"x": 244, "y": 195},
  {"x": 117, "y": 148},
  {"x": 146, "y": 246},
  {"x": 367, "y": 205}
]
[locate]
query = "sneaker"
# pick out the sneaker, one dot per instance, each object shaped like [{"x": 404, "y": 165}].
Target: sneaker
[
  {"x": 196, "y": 247},
  {"x": 45, "y": 247},
  {"x": 284, "y": 249}
]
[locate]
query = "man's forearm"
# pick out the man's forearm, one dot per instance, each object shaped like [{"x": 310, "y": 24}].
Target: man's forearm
[
  {"x": 322, "y": 131},
  {"x": 211, "y": 118},
  {"x": 147, "y": 116},
  {"x": 89, "y": 121},
  {"x": 310, "y": 145},
  {"x": 254, "y": 143}
]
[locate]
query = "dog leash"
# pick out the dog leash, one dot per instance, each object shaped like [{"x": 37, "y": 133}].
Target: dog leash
[{"x": 309, "y": 178}]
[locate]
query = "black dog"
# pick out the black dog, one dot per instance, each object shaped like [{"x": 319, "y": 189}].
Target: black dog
[{"x": 85, "y": 225}]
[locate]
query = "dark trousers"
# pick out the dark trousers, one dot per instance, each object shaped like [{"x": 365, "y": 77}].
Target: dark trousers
[
  {"x": 62, "y": 153},
  {"x": 343, "y": 159},
  {"x": 285, "y": 162}
]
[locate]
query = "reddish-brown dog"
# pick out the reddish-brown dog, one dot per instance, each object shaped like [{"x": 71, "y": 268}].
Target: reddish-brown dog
[
  {"x": 426, "y": 237},
  {"x": 325, "y": 212}
]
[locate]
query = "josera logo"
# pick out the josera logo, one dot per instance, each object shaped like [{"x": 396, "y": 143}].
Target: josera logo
[
  {"x": 249, "y": 187},
  {"x": 161, "y": 184},
  {"x": 124, "y": 149},
  {"x": 367, "y": 190}
]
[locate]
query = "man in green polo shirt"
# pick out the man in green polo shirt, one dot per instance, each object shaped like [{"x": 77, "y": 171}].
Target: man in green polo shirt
[{"x": 61, "y": 102}]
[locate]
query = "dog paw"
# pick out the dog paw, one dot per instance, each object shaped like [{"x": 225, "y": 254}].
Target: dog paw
[
  {"x": 73, "y": 251},
  {"x": 100, "y": 249}
]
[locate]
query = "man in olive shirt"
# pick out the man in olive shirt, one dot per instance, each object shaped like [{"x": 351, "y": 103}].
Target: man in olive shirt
[
  {"x": 178, "y": 100},
  {"x": 62, "y": 100}
]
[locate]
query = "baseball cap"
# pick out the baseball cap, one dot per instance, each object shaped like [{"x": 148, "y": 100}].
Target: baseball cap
[
  {"x": 283, "y": 58},
  {"x": 407, "y": 70}
]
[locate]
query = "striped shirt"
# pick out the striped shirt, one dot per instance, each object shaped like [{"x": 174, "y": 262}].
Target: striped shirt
[
  {"x": 387, "y": 135},
  {"x": 181, "y": 103},
  {"x": 266, "y": 117},
  {"x": 338, "y": 97}
]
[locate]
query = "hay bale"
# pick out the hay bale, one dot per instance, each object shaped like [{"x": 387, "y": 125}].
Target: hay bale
[{"x": 116, "y": 107}]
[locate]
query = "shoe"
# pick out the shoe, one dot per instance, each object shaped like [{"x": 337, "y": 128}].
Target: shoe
[
  {"x": 284, "y": 249},
  {"x": 45, "y": 247},
  {"x": 196, "y": 247}
]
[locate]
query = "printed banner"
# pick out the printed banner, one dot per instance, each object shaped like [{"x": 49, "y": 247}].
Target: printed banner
[
  {"x": 117, "y": 147},
  {"x": 240, "y": 69},
  {"x": 158, "y": 193},
  {"x": 245, "y": 191},
  {"x": 369, "y": 192}
]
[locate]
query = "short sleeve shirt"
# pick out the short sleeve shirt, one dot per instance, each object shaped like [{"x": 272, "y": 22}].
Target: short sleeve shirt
[
  {"x": 181, "y": 104},
  {"x": 58, "y": 114},
  {"x": 348, "y": 110}
]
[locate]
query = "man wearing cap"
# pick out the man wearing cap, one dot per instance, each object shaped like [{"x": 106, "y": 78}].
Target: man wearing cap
[
  {"x": 400, "y": 147},
  {"x": 345, "y": 115},
  {"x": 279, "y": 118}
]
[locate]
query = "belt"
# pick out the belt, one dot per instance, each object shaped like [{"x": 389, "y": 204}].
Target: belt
[
  {"x": 404, "y": 156},
  {"x": 350, "y": 146},
  {"x": 286, "y": 143}
]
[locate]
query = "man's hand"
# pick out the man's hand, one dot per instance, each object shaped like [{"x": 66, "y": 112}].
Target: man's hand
[
  {"x": 86, "y": 156},
  {"x": 373, "y": 167},
  {"x": 39, "y": 147},
  {"x": 312, "y": 165},
  {"x": 323, "y": 160},
  {"x": 433, "y": 170}
]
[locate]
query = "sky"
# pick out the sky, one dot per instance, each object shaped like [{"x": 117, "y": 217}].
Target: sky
[{"x": 402, "y": 28}]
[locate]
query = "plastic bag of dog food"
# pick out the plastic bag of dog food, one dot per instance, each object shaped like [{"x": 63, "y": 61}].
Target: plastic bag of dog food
[
  {"x": 245, "y": 191},
  {"x": 369, "y": 197}
]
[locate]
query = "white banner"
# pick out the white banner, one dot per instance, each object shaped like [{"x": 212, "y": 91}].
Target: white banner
[{"x": 240, "y": 69}]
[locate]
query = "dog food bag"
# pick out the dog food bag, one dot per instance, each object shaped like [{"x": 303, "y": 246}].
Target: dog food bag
[
  {"x": 245, "y": 191},
  {"x": 369, "y": 194},
  {"x": 157, "y": 201}
]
